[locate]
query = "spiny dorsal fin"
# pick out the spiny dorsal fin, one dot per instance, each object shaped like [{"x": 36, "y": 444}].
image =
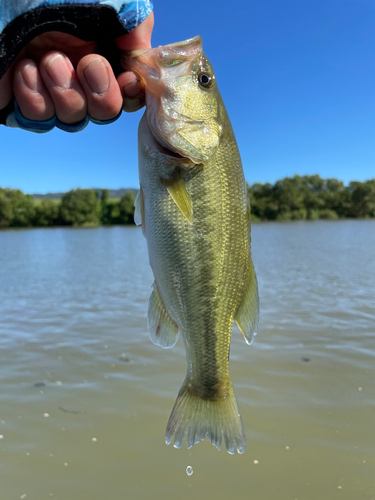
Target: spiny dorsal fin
[
  {"x": 161, "y": 329},
  {"x": 139, "y": 212},
  {"x": 247, "y": 315},
  {"x": 177, "y": 189}
]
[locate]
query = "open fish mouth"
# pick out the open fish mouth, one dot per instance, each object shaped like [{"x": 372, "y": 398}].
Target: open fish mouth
[
  {"x": 173, "y": 155},
  {"x": 168, "y": 152},
  {"x": 154, "y": 144},
  {"x": 172, "y": 129}
]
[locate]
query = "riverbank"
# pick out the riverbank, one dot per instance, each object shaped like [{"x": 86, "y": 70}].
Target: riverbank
[{"x": 292, "y": 198}]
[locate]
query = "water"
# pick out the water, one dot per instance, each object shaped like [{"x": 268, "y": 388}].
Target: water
[{"x": 85, "y": 396}]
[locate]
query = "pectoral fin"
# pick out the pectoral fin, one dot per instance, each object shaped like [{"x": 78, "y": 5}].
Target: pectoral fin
[
  {"x": 247, "y": 314},
  {"x": 139, "y": 212},
  {"x": 161, "y": 329},
  {"x": 177, "y": 189}
]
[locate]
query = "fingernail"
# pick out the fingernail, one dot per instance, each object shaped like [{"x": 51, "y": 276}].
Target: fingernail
[
  {"x": 60, "y": 71},
  {"x": 29, "y": 76},
  {"x": 133, "y": 88},
  {"x": 96, "y": 76},
  {"x": 131, "y": 104}
]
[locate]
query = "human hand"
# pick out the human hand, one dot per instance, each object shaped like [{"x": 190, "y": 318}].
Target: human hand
[{"x": 57, "y": 73}]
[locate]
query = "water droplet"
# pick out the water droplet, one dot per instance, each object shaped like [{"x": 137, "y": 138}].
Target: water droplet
[{"x": 189, "y": 470}]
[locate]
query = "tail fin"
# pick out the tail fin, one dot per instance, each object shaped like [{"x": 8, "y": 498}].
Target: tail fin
[{"x": 194, "y": 418}]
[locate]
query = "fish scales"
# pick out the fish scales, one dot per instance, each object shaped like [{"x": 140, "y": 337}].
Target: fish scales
[{"x": 195, "y": 214}]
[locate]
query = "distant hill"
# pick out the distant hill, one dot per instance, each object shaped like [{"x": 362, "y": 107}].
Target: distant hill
[{"x": 113, "y": 193}]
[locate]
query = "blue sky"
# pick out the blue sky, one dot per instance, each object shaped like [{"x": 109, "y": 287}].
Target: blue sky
[{"x": 297, "y": 78}]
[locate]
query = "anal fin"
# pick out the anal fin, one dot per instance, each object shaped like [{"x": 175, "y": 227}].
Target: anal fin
[
  {"x": 161, "y": 329},
  {"x": 247, "y": 315}
]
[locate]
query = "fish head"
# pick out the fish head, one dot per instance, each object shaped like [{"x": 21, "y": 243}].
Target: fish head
[{"x": 183, "y": 104}]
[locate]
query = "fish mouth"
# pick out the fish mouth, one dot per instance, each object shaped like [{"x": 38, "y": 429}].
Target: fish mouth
[
  {"x": 175, "y": 133},
  {"x": 172, "y": 155},
  {"x": 171, "y": 129},
  {"x": 168, "y": 152},
  {"x": 152, "y": 141}
]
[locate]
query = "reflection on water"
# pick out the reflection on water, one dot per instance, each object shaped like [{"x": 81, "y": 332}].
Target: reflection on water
[{"x": 85, "y": 396}]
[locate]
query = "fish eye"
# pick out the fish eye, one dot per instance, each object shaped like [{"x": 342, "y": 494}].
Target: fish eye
[{"x": 205, "y": 80}]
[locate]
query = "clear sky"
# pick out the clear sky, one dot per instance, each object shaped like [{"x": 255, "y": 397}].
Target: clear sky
[{"x": 297, "y": 78}]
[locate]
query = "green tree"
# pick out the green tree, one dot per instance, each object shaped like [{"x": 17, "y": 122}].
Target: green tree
[
  {"x": 106, "y": 207},
  {"x": 362, "y": 198},
  {"x": 16, "y": 208},
  {"x": 126, "y": 208},
  {"x": 6, "y": 212},
  {"x": 46, "y": 213},
  {"x": 335, "y": 197},
  {"x": 80, "y": 207},
  {"x": 262, "y": 201}
]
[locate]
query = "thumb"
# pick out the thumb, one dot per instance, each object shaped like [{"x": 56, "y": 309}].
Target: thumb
[{"x": 139, "y": 38}]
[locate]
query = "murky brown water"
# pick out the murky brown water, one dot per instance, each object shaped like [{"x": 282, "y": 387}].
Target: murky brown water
[{"x": 85, "y": 396}]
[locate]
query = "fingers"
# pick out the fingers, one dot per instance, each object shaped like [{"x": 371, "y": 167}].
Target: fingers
[
  {"x": 104, "y": 100},
  {"x": 31, "y": 93},
  {"x": 54, "y": 87},
  {"x": 62, "y": 83},
  {"x": 47, "y": 84},
  {"x": 132, "y": 91},
  {"x": 132, "y": 88}
]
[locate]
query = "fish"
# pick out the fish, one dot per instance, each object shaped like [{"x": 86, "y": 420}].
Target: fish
[{"x": 195, "y": 214}]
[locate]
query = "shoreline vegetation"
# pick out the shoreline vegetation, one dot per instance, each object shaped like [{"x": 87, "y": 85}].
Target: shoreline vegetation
[{"x": 306, "y": 197}]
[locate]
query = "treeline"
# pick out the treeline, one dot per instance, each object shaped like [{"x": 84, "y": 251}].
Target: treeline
[
  {"x": 306, "y": 197},
  {"x": 79, "y": 207},
  {"x": 310, "y": 197}
]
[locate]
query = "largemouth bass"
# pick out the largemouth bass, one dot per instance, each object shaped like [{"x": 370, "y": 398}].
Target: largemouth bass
[{"x": 195, "y": 215}]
